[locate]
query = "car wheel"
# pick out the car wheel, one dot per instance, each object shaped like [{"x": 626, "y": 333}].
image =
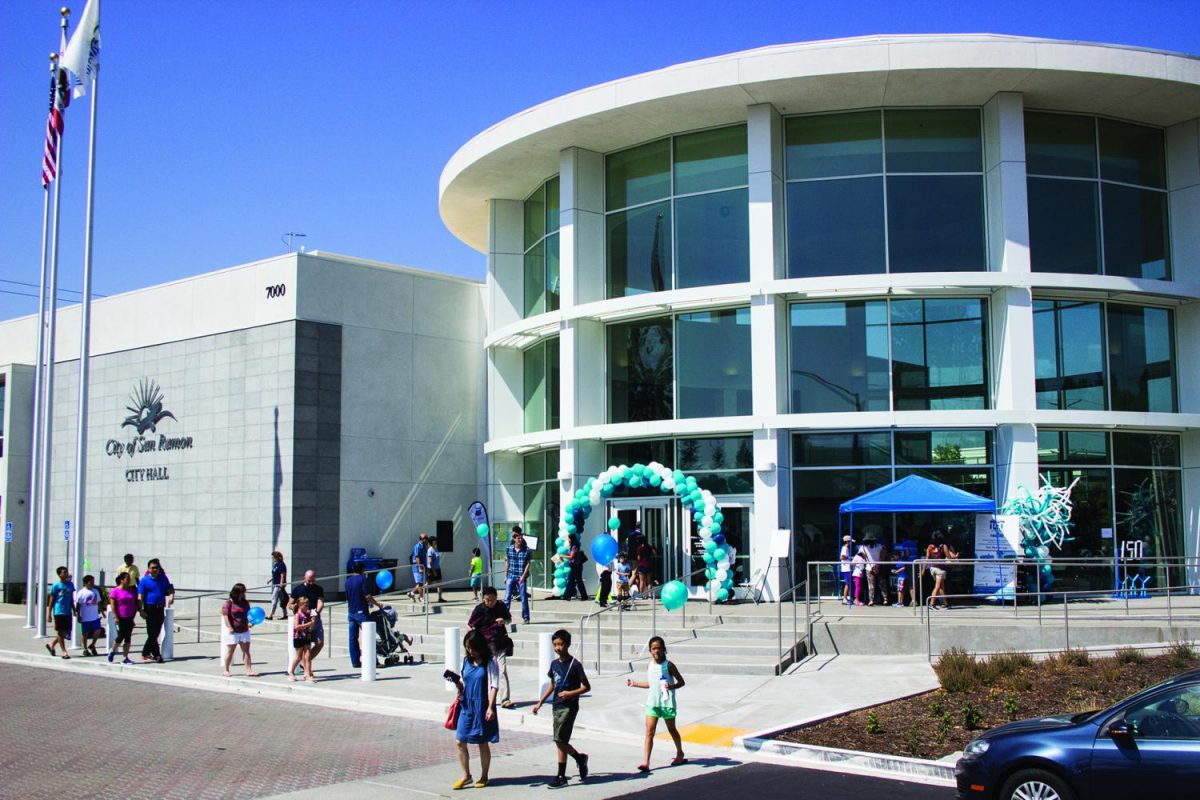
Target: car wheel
[{"x": 1036, "y": 784}]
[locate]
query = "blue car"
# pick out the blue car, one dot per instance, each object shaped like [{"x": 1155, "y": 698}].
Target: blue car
[{"x": 1146, "y": 746}]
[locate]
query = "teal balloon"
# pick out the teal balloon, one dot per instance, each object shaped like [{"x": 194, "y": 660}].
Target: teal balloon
[
  {"x": 563, "y": 550},
  {"x": 606, "y": 490},
  {"x": 256, "y": 615},
  {"x": 384, "y": 580},
  {"x": 604, "y": 549},
  {"x": 697, "y": 496},
  {"x": 722, "y": 595},
  {"x": 627, "y": 473},
  {"x": 635, "y": 481},
  {"x": 1047, "y": 570},
  {"x": 690, "y": 481},
  {"x": 656, "y": 480},
  {"x": 709, "y": 546},
  {"x": 481, "y": 530},
  {"x": 708, "y": 558},
  {"x": 718, "y": 517},
  {"x": 719, "y": 554},
  {"x": 715, "y": 528},
  {"x": 674, "y": 595},
  {"x": 680, "y": 489},
  {"x": 617, "y": 480},
  {"x": 697, "y": 515},
  {"x": 710, "y": 573},
  {"x": 561, "y": 583},
  {"x": 614, "y": 524},
  {"x": 571, "y": 528}
]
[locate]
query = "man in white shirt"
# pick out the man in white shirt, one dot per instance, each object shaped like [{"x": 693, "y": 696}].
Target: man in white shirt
[
  {"x": 872, "y": 551},
  {"x": 87, "y": 608}
]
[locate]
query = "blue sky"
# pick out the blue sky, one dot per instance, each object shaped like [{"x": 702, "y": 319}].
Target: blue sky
[{"x": 225, "y": 124}]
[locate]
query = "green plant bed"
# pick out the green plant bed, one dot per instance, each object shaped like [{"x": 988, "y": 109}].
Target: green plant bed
[{"x": 984, "y": 693}]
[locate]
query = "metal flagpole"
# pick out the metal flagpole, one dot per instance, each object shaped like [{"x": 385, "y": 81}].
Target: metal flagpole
[
  {"x": 32, "y": 588},
  {"x": 85, "y": 330},
  {"x": 48, "y": 388}
]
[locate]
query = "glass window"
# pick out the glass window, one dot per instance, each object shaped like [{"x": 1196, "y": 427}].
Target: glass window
[
  {"x": 838, "y": 206},
  {"x": 870, "y": 448},
  {"x": 1068, "y": 350},
  {"x": 552, "y": 378},
  {"x": 1084, "y": 219},
  {"x": 1060, "y": 144},
  {"x": 1147, "y": 511},
  {"x": 642, "y": 451},
  {"x": 1135, "y": 232},
  {"x": 935, "y": 223},
  {"x": 708, "y": 160},
  {"x": 941, "y": 448},
  {"x": 712, "y": 235},
  {"x": 723, "y": 466},
  {"x": 1141, "y": 358},
  {"x": 541, "y": 249},
  {"x": 1072, "y": 447},
  {"x": 541, "y": 386},
  {"x": 1145, "y": 449},
  {"x": 835, "y": 228},
  {"x": 1132, "y": 154},
  {"x": 1064, "y": 226},
  {"x": 839, "y": 356},
  {"x": 974, "y": 481},
  {"x": 816, "y": 495},
  {"x": 639, "y": 250},
  {"x": 535, "y": 217},
  {"x": 713, "y": 363},
  {"x": 1174, "y": 715},
  {"x": 638, "y": 175},
  {"x": 834, "y": 145},
  {"x": 938, "y": 354},
  {"x": 640, "y": 363},
  {"x": 933, "y": 140}
]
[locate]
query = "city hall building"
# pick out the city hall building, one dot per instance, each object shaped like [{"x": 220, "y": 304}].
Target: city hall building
[
  {"x": 308, "y": 403},
  {"x": 796, "y": 274}
]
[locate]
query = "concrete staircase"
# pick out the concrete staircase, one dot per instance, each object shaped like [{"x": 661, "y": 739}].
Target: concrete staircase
[{"x": 732, "y": 640}]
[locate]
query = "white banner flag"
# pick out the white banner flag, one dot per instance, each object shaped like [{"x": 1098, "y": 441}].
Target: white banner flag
[{"x": 82, "y": 57}]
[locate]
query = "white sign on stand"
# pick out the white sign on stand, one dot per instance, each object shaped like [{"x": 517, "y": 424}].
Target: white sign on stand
[
  {"x": 997, "y": 538},
  {"x": 781, "y": 544}
]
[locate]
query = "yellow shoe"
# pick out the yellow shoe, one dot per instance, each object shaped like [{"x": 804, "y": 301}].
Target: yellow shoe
[
  {"x": 462, "y": 783},
  {"x": 482, "y": 782}
]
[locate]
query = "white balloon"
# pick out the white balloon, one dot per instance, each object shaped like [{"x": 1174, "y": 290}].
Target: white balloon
[
  {"x": 705, "y": 534},
  {"x": 706, "y": 521},
  {"x": 722, "y": 574},
  {"x": 723, "y": 564},
  {"x": 668, "y": 484},
  {"x": 710, "y": 507},
  {"x": 714, "y": 585},
  {"x": 594, "y": 496}
]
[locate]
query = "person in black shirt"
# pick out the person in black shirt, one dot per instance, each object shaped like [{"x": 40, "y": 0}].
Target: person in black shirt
[
  {"x": 491, "y": 618},
  {"x": 567, "y": 682},
  {"x": 316, "y": 602}
]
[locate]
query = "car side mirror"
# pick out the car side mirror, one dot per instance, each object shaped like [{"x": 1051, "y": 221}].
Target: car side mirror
[{"x": 1122, "y": 729}]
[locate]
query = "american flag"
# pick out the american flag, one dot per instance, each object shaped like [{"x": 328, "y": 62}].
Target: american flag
[{"x": 60, "y": 98}]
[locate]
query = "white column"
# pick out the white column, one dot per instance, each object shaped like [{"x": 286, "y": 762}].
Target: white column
[
  {"x": 768, "y": 330},
  {"x": 581, "y": 226},
  {"x": 366, "y": 643},
  {"x": 167, "y": 648},
  {"x": 506, "y": 262},
  {"x": 453, "y": 653},
  {"x": 1004, "y": 167},
  {"x": 1183, "y": 184}
]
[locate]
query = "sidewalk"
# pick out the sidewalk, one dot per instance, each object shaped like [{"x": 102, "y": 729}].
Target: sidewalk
[{"x": 713, "y": 708}]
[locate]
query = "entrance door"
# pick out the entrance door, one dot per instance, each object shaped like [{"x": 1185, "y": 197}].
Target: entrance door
[{"x": 659, "y": 522}]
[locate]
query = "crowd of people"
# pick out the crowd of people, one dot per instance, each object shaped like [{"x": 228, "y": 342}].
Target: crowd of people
[{"x": 869, "y": 572}]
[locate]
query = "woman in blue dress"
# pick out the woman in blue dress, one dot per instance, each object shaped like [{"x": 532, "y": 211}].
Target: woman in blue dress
[{"x": 477, "y": 722}]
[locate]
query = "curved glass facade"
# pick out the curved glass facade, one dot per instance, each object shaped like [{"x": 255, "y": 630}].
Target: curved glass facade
[
  {"x": 897, "y": 190},
  {"x": 541, "y": 249},
  {"x": 677, "y": 213}
]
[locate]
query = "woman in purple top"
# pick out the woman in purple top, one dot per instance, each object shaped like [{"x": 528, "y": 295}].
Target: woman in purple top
[
  {"x": 124, "y": 606},
  {"x": 236, "y": 613}
]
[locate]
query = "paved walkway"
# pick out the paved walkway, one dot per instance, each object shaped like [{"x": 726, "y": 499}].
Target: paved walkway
[{"x": 713, "y": 708}]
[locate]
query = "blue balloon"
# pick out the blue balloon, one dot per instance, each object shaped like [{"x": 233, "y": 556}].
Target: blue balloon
[
  {"x": 256, "y": 615},
  {"x": 604, "y": 548},
  {"x": 384, "y": 579},
  {"x": 718, "y": 538}
]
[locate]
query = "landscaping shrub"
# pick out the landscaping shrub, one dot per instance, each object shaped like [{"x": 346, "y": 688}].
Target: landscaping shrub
[
  {"x": 1069, "y": 658},
  {"x": 958, "y": 671},
  {"x": 1130, "y": 655},
  {"x": 1181, "y": 653},
  {"x": 972, "y": 716},
  {"x": 1008, "y": 662},
  {"x": 872, "y": 726}
]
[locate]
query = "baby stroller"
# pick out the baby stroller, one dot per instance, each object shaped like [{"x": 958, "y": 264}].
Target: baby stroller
[{"x": 390, "y": 645}]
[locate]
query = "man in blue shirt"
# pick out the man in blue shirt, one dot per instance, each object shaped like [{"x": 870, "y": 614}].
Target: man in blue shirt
[
  {"x": 155, "y": 593},
  {"x": 358, "y": 601},
  {"x": 62, "y": 610},
  {"x": 516, "y": 571}
]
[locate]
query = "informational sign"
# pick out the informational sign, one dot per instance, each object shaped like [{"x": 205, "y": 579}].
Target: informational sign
[
  {"x": 997, "y": 538},
  {"x": 1106, "y": 533},
  {"x": 531, "y": 542},
  {"x": 8, "y": 533},
  {"x": 66, "y": 530}
]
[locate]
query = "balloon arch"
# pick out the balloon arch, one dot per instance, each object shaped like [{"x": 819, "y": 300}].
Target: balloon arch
[{"x": 718, "y": 556}]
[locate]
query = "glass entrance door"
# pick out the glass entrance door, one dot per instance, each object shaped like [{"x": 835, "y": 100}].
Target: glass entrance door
[{"x": 658, "y": 520}]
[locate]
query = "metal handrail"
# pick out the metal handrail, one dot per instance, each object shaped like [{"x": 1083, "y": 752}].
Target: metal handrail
[
  {"x": 597, "y": 614},
  {"x": 793, "y": 591}
]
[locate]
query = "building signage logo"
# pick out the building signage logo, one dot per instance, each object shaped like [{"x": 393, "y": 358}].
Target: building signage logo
[{"x": 147, "y": 413}]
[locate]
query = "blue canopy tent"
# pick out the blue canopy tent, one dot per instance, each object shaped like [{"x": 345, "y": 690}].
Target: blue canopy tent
[{"x": 913, "y": 493}]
